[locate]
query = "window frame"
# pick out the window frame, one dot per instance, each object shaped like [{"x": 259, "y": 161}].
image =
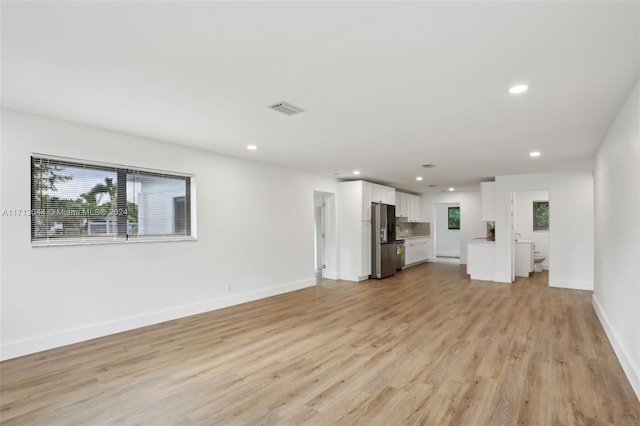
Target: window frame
[
  {"x": 535, "y": 210},
  {"x": 121, "y": 236}
]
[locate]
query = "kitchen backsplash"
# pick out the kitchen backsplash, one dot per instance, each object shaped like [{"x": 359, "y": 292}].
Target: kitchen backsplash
[{"x": 414, "y": 229}]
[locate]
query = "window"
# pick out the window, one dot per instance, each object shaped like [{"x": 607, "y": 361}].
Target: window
[
  {"x": 540, "y": 215},
  {"x": 73, "y": 201},
  {"x": 454, "y": 217}
]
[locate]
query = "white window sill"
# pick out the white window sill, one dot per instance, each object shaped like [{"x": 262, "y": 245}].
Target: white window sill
[{"x": 102, "y": 241}]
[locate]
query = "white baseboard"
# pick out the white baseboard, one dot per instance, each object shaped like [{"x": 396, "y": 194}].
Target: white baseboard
[
  {"x": 502, "y": 278},
  {"x": 66, "y": 337},
  {"x": 481, "y": 277},
  {"x": 573, "y": 285},
  {"x": 448, "y": 253},
  {"x": 630, "y": 368}
]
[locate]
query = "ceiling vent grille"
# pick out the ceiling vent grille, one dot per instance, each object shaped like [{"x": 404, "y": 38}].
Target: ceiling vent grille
[{"x": 286, "y": 108}]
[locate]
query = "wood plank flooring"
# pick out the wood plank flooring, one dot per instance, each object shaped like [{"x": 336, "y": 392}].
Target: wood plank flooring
[{"x": 427, "y": 346}]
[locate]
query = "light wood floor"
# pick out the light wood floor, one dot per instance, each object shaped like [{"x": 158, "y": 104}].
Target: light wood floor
[{"x": 427, "y": 346}]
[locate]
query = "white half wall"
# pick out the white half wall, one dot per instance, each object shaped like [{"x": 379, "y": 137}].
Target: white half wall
[
  {"x": 617, "y": 237},
  {"x": 471, "y": 224},
  {"x": 571, "y": 225},
  {"x": 255, "y": 239},
  {"x": 523, "y": 221},
  {"x": 447, "y": 241}
]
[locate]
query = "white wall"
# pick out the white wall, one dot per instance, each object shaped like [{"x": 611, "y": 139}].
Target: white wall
[
  {"x": 617, "y": 236},
  {"x": 471, "y": 224},
  {"x": 447, "y": 240},
  {"x": 571, "y": 220},
  {"x": 523, "y": 222},
  {"x": 255, "y": 239}
]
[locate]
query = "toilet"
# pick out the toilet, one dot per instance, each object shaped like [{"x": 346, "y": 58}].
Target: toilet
[{"x": 537, "y": 262}]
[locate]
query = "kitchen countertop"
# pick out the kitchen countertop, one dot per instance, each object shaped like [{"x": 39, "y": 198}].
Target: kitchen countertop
[{"x": 413, "y": 237}]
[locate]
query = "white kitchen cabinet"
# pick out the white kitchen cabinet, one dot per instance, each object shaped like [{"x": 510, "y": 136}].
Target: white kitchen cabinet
[
  {"x": 416, "y": 250},
  {"x": 402, "y": 205},
  {"x": 524, "y": 258},
  {"x": 414, "y": 209},
  {"x": 399, "y": 209},
  {"x": 408, "y": 206},
  {"x": 488, "y": 193},
  {"x": 383, "y": 194},
  {"x": 354, "y": 225}
]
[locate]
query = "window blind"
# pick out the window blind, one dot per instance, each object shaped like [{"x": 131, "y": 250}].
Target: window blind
[{"x": 78, "y": 201}]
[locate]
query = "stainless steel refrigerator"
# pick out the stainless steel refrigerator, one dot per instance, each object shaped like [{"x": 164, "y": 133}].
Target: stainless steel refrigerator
[{"x": 384, "y": 257}]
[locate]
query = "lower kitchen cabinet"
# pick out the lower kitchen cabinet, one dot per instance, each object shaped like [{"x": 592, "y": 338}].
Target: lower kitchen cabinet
[{"x": 416, "y": 250}]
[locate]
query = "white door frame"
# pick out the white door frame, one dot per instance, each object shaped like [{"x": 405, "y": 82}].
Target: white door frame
[
  {"x": 510, "y": 227},
  {"x": 330, "y": 254}
]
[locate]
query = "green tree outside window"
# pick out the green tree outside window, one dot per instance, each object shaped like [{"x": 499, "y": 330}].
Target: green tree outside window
[
  {"x": 454, "y": 218},
  {"x": 540, "y": 215}
]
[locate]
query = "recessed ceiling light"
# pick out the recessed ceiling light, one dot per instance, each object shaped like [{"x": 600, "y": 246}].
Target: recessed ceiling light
[
  {"x": 451, "y": 188},
  {"x": 252, "y": 147},
  {"x": 356, "y": 172},
  {"x": 419, "y": 178},
  {"x": 534, "y": 154},
  {"x": 518, "y": 88}
]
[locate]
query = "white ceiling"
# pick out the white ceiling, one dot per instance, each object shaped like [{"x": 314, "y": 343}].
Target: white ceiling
[{"x": 385, "y": 86}]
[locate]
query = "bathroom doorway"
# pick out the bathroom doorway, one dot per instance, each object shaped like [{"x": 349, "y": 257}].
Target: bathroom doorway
[{"x": 531, "y": 227}]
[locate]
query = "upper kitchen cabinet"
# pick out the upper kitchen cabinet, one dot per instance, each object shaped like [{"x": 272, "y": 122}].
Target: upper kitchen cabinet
[
  {"x": 408, "y": 207},
  {"x": 382, "y": 194},
  {"x": 402, "y": 205},
  {"x": 415, "y": 212},
  {"x": 488, "y": 190}
]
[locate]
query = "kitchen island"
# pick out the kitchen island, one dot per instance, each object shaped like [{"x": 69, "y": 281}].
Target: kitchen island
[{"x": 481, "y": 260}]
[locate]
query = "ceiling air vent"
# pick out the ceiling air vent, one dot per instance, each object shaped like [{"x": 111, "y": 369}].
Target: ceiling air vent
[
  {"x": 286, "y": 108},
  {"x": 428, "y": 166}
]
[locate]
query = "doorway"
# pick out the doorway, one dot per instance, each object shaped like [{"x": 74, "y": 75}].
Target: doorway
[
  {"x": 530, "y": 232},
  {"x": 324, "y": 241},
  {"x": 319, "y": 235},
  {"x": 447, "y": 232}
]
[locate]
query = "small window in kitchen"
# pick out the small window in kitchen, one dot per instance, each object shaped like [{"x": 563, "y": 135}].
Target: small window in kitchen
[
  {"x": 79, "y": 202},
  {"x": 540, "y": 215},
  {"x": 454, "y": 218}
]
